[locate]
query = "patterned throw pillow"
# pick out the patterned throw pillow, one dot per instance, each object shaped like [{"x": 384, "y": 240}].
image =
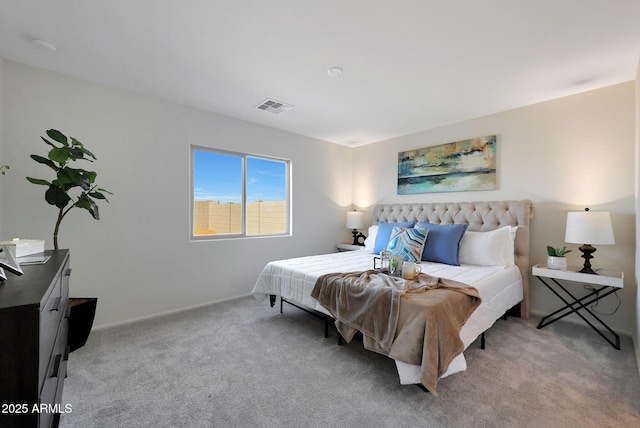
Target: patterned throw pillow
[{"x": 408, "y": 243}]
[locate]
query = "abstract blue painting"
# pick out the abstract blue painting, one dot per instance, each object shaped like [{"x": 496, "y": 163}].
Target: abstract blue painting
[{"x": 453, "y": 167}]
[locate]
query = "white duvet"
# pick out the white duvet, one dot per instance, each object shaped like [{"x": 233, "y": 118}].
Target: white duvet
[{"x": 500, "y": 289}]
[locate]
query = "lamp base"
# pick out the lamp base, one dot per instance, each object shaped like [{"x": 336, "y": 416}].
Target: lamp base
[
  {"x": 357, "y": 236},
  {"x": 587, "y": 251}
]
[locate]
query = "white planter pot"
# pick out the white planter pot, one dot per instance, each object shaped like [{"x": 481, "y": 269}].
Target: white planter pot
[{"x": 557, "y": 263}]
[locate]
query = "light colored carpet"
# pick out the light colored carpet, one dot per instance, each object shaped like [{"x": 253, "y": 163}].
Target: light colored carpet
[{"x": 242, "y": 364}]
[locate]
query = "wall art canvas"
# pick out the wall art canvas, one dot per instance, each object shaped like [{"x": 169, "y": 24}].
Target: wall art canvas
[{"x": 454, "y": 167}]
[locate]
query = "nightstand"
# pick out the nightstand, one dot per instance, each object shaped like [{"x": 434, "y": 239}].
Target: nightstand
[
  {"x": 604, "y": 283},
  {"x": 350, "y": 247}
]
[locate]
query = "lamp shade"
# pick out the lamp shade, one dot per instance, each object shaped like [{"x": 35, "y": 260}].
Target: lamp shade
[
  {"x": 355, "y": 220},
  {"x": 589, "y": 227}
]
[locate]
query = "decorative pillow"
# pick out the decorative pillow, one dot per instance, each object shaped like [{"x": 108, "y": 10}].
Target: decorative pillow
[
  {"x": 486, "y": 248},
  {"x": 370, "y": 241},
  {"x": 408, "y": 243},
  {"x": 443, "y": 242},
  {"x": 384, "y": 233}
]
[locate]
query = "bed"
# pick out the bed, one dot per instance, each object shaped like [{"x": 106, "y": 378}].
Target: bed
[{"x": 502, "y": 286}]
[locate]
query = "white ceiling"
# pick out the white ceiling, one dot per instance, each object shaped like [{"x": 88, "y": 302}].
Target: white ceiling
[{"x": 409, "y": 65}]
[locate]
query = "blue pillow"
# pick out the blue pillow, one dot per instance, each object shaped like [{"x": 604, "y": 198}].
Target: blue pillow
[
  {"x": 384, "y": 234},
  {"x": 443, "y": 242}
]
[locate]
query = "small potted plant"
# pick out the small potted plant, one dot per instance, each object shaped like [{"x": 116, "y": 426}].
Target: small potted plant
[{"x": 556, "y": 259}]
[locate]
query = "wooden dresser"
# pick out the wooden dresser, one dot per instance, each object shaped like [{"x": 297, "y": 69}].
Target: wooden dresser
[{"x": 34, "y": 319}]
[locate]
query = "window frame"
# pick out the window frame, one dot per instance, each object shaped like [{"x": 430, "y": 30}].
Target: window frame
[{"x": 243, "y": 234}]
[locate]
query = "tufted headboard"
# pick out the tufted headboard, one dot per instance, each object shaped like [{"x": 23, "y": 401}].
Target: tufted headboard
[{"x": 480, "y": 216}]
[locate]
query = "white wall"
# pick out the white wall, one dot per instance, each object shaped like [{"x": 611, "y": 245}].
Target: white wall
[
  {"x": 564, "y": 155},
  {"x": 636, "y": 336},
  {"x": 138, "y": 259}
]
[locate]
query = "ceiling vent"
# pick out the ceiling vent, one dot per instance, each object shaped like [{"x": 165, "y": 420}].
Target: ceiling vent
[{"x": 273, "y": 106}]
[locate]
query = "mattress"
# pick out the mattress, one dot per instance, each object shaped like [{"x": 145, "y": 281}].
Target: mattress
[
  {"x": 499, "y": 287},
  {"x": 294, "y": 279}
]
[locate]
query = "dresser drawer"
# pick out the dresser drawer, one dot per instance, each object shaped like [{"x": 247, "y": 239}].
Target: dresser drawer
[
  {"x": 64, "y": 283},
  {"x": 50, "y": 316},
  {"x": 62, "y": 371},
  {"x": 51, "y": 313},
  {"x": 57, "y": 368}
]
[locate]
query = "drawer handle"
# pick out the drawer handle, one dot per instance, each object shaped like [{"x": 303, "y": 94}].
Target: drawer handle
[
  {"x": 56, "y": 304},
  {"x": 67, "y": 272},
  {"x": 56, "y": 366}
]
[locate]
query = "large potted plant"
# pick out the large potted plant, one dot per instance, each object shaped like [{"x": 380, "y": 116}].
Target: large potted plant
[{"x": 71, "y": 188}]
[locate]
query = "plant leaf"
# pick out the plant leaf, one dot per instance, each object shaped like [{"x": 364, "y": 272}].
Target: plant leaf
[
  {"x": 98, "y": 195},
  {"x": 90, "y": 175},
  {"x": 104, "y": 190},
  {"x": 79, "y": 146},
  {"x": 56, "y": 196},
  {"x": 87, "y": 203},
  {"x": 58, "y": 136},
  {"x": 59, "y": 154},
  {"x": 68, "y": 178},
  {"x": 41, "y": 159},
  {"x": 48, "y": 142},
  {"x": 38, "y": 181},
  {"x": 75, "y": 153}
]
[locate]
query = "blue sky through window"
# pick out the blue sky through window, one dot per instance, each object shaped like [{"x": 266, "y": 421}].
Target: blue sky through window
[
  {"x": 266, "y": 180},
  {"x": 218, "y": 176}
]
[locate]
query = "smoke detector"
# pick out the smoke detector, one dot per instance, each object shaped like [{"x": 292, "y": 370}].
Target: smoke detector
[
  {"x": 273, "y": 106},
  {"x": 334, "y": 71}
]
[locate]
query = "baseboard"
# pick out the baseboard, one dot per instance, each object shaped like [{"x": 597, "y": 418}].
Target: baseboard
[{"x": 166, "y": 313}]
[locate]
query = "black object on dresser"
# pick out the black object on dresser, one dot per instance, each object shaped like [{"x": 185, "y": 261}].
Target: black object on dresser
[{"x": 34, "y": 317}]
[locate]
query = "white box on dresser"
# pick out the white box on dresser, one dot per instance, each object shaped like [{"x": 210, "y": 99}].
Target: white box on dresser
[{"x": 24, "y": 247}]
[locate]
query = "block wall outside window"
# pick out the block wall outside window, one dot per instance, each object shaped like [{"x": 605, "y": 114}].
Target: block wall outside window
[
  {"x": 213, "y": 218},
  {"x": 268, "y": 217}
]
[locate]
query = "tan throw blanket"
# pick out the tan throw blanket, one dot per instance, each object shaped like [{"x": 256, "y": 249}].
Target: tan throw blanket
[{"x": 417, "y": 322}]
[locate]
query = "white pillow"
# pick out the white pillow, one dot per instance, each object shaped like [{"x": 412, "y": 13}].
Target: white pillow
[
  {"x": 370, "y": 241},
  {"x": 510, "y": 248},
  {"x": 487, "y": 248}
]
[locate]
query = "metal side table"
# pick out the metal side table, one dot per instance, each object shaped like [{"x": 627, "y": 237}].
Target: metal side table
[{"x": 604, "y": 283}]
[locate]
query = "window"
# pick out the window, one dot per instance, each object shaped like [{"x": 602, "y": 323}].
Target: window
[{"x": 238, "y": 195}]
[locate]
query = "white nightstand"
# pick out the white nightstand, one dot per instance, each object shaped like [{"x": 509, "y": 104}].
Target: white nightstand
[
  {"x": 604, "y": 283},
  {"x": 350, "y": 247}
]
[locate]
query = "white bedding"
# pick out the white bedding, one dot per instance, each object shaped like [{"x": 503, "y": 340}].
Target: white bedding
[{"x": 500, "y": 289}]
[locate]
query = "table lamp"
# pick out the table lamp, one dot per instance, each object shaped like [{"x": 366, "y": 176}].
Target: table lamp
[
  {"x": 355, "y": 221},
  {"x": 593, "y": 227}
]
